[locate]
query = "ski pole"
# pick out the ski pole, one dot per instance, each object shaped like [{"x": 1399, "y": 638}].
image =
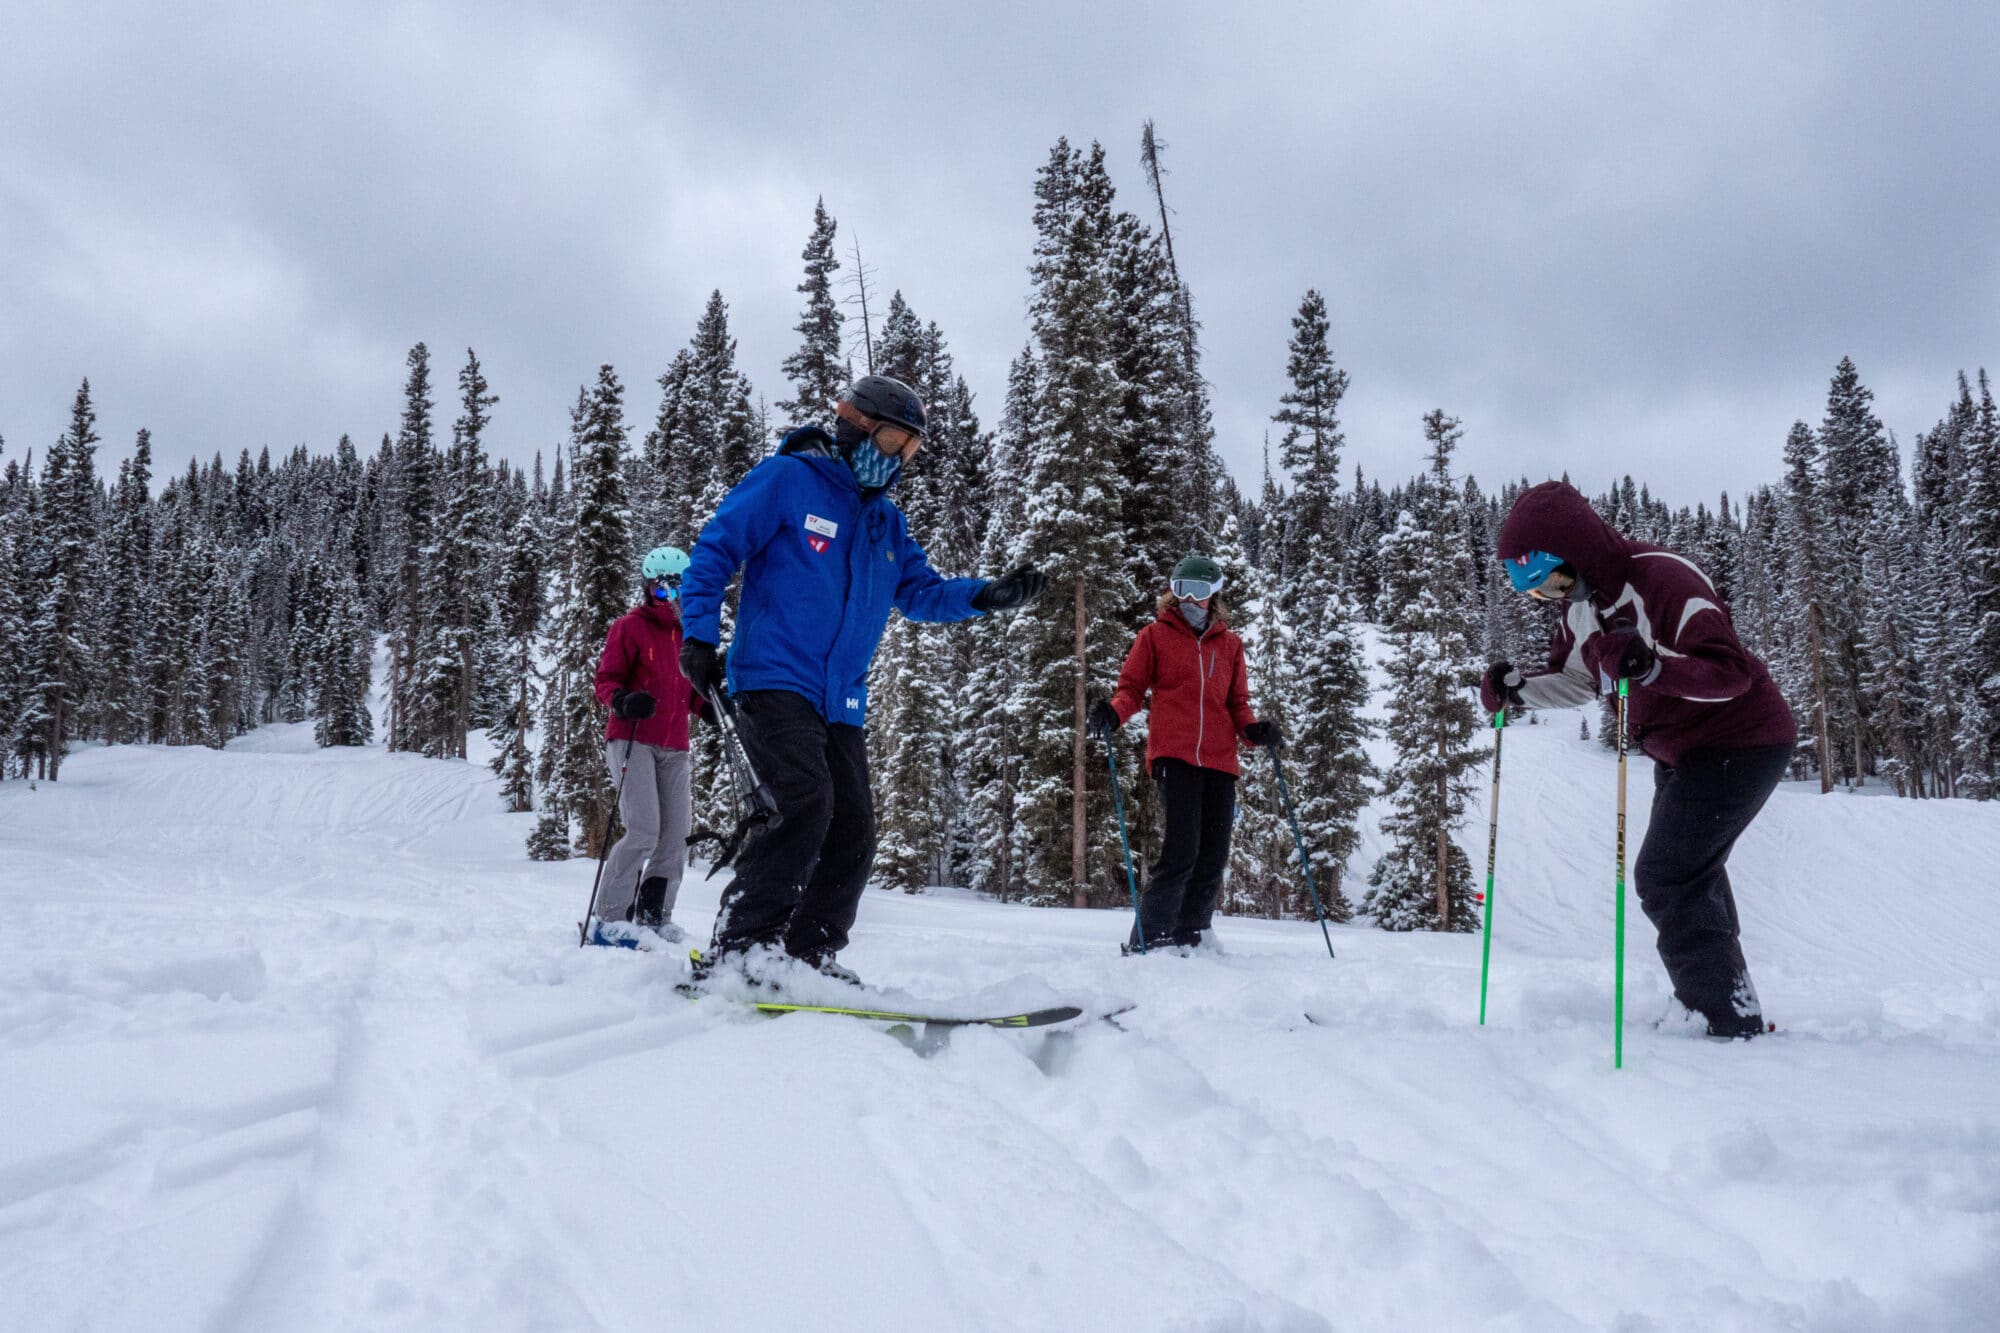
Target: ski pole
[
  {"x": 1305, "y": 861},
  {"x": 1618, "y": 949},
  {"x": 1125, "y": 841},
  {"x": 604, "y": 842},
  {"x": 1492, "y": 854}
]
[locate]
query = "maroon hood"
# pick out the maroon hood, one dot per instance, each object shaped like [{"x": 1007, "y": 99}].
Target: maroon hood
[{"x": 1554, "y": 517}]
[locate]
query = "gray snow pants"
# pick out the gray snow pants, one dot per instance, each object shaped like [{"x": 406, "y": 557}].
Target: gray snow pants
[{"x": 657, "y": 809}]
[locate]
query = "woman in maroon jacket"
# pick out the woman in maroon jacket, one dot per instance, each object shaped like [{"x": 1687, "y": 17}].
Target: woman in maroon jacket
[
  {"x": 1192, "y": 666},
  {"x": 639, "y": 680},
  {"x": 1701, "y": 705}
]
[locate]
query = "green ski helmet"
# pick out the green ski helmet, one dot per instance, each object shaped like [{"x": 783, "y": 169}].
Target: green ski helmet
[
  {"x": 1196, "y": 577},
  {"x": 663, "y": 568}
]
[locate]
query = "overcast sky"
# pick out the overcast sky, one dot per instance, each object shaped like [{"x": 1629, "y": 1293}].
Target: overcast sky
[{"x": 1611, "y": 238}]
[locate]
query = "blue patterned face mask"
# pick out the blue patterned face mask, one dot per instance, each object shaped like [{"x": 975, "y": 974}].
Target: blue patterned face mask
[{"x": 872, "y": 467}]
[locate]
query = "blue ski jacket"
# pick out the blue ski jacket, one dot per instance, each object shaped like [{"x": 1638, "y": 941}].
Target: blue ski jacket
[{"x": 822, "y": 564}]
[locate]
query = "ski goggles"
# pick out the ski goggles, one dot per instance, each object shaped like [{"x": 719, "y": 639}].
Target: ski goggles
[
  {"x": 895, "y": 441},
  {"x": 1195, "y": 590},
  {"x": 666, "y": 589}
]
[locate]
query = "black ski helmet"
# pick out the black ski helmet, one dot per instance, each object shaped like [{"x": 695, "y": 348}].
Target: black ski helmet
[{"x": 889, "y": 400}]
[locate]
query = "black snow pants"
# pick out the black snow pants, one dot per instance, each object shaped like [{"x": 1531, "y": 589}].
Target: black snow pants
[
  {"x": 1197, "y": 806},
  {"x": 798, "y": 883},
  {"x": 1700, "y": 807}
]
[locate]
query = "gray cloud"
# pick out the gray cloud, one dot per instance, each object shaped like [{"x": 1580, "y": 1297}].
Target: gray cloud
[{"x": 1610, "y": 238}]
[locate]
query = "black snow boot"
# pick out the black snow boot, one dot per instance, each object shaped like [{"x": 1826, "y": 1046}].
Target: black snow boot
[
  {"x": 1736, "y": 1027},
  {"x": 648, "y": 911}
]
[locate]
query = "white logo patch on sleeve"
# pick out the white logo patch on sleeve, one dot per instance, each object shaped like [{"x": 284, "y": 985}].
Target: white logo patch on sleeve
[{"x": 825, "y": 527}]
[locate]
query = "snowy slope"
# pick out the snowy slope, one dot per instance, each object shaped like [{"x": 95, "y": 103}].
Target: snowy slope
[{"x": 298, "y": 1040}]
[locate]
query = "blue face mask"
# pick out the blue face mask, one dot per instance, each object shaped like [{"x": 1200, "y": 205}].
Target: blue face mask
[{"x": 872, "y": 468}]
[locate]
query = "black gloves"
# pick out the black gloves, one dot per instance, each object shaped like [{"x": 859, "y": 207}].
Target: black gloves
[
  {"x": 1024, "y": 585},
  {"x": 1500, "y": 687},
  {"x": 702, "y": 666},
  {"x": 632, "y": 705},
  {"x": 1619, "y": 653},
  {"x": 1102, "y": 720},
  {"x": 1265, "y": 733}
]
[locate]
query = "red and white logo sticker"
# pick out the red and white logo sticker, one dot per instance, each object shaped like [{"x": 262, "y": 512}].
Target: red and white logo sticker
[{"x": 819, "y": 544}]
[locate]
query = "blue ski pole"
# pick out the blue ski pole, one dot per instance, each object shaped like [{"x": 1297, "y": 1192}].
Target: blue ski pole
[
  {"x": 1125, "y": 841},
  {"x": 1305, "y": 861}
]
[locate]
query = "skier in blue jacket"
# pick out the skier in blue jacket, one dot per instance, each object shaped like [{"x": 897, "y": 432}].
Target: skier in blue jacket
[{"x": 825, "y": 555}]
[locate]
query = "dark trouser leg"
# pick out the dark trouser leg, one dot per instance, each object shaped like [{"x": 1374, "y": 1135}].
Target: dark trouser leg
[
  {"x": 787, "y": 741},
  {"x": 826, "y": 911},
  {"x": 1180, "y": 846},
  {"x": 1699, "y": 810},
  {"x": 1204, "y": 890}
]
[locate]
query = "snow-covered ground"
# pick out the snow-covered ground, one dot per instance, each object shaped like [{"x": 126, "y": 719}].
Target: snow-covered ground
[{"x": 294, "y": 1039}]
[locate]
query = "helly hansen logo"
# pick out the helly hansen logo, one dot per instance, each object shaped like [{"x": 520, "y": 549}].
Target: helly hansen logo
[{"x": 854, "y": 703}]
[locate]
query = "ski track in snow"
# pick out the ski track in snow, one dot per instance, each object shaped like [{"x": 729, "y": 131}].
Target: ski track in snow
[{"x": 295, "y": 1040}]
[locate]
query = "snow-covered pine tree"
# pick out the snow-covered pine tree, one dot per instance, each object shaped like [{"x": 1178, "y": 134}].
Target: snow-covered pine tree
[
  {"x": 519, "y": 583},
  {"x": 1859, "y": 475},
  {"x": 60, "y": 655},
  {"x": 457, "y": 605},
  {"x": 1331, "y": 777},
  {"x": 818, "y": 369},
  {"x": 128, "y": 559},
  {"x": 408, "y": 535},
  {"x": 13, "y": 606},
  {"x": 994, "y": 716},
  {"x": 1310, "y": 413},
  {"x": 1891, "y": 681},
  {"x": 1978, "y": 743},
  {"x": 1809, "y": 674},
  {"x": 345, "y": 669},
  {"x": 577, "y": 789},
  {"x": 1074, "y": 504},
  {"x": 1424, "y": 880}
]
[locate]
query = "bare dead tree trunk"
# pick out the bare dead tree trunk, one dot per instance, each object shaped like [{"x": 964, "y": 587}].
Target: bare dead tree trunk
[
  {"x": 1443, "y": 842},
  {"x": 1079, "y": 801}
]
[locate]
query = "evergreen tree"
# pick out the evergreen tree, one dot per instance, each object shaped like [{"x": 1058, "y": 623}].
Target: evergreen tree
[
  {"x": 1310, "y": 414},
  {"x": 60, "y": 655},
  {"x": 458, "y": 606},
  {"x": 576, "y": 789},
  {"x": 520, "y": 588},
  {"x": 410, "y": 536},
  {"x": 1424, "y": 881},
  {"x": 129, "y": 556},
  {"x": 344, "y": 670},
  {"x": 818, "y": 370},
  {"x": 1809, "y": 675}
]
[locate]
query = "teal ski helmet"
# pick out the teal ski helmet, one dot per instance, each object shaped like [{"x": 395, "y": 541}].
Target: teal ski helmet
[{"x": 663, "y": 568}]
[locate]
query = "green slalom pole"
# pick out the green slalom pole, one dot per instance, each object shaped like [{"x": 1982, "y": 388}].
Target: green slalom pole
[
  {"x": 1618, "y": 949},
  {"x": 1492, "y": 851}
]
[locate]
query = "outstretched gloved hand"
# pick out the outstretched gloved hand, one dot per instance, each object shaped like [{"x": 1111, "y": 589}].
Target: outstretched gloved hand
[{"x": 1019, "y": 588}]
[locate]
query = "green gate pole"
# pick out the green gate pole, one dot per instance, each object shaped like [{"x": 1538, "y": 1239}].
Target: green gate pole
[
  {"x": 1492, "y": 850},
  {"x": 1618, "y": 949}
]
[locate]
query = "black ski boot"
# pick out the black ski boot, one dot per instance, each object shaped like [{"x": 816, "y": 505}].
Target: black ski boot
[{"x": 649, "y": 910}]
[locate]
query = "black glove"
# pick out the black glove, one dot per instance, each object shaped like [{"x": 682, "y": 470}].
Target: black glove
[
  {"x": 632, "y": 705},
  {"x": 701, "y": 665},
  {"x": 1622, "y": 653},
  {"x": 1265, "y": 733},
  {"x": 1500, "y": 687},
  {"x": 1102, "y": 720},
  {"x": 1024, "y": 585}
]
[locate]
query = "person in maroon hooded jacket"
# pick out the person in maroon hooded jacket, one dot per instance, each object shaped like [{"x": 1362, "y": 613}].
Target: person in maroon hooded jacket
[
  {"x": 1192, "y": 666},
  {"x": 646, "y": 739},
  {"x": 1701, "y": 705}
]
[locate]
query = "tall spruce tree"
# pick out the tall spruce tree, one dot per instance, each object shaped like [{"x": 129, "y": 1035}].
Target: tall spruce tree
[
  {"x": 1424, "y": 880},
  {"x": 817, "y": 370},
  {"x": 577, "y": 794}
]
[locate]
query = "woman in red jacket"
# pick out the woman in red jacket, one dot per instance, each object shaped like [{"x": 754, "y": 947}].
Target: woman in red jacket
[
  {"x": 639, "y": 680},
  {"x": 1192, "y": 666}
]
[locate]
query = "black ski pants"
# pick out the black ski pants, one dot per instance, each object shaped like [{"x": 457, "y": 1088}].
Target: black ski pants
[
  {"x": 1198, "y": 807},
  {"x": 1700, "y": 807},
  {"x": 798, "y": 882}
]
